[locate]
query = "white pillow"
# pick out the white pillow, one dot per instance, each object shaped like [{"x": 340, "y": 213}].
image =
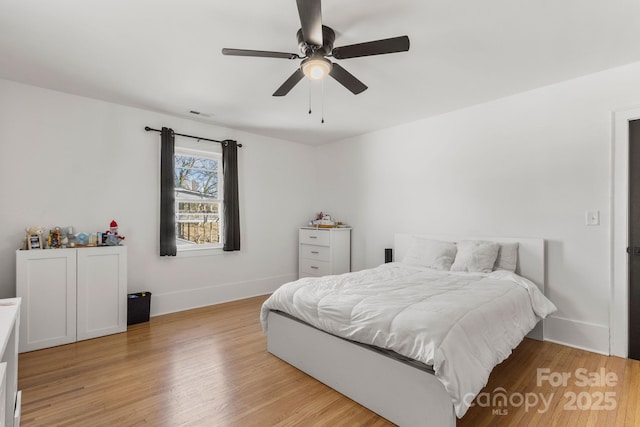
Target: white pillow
[
  {"x": 507, "y": 257},
  {"x": 430, "y": 253},
  {"x": 475, "y": 256}
]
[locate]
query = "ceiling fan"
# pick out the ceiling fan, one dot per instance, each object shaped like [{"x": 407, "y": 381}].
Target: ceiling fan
[{"x": 315, "y": 42}]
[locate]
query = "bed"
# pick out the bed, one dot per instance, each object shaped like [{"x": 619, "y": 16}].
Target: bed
[{"x": 411, "y": 383}]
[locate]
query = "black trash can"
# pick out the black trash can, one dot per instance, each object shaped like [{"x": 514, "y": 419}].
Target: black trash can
[{"x": 138, "y": 307}]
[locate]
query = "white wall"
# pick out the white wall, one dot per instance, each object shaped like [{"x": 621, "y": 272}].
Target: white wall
[
  {"x": 67, "y": 160},
  {"x": 529, "y": 165}
]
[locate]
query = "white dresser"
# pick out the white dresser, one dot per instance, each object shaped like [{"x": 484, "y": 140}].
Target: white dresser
[
  {"x": 70, "y": 295},
  {"x": 10, "y": 402},
  {"x": 324, "y": 251}
]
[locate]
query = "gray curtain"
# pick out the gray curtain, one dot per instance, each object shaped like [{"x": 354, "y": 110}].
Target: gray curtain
[
  {"x": 167, "y": 194},
  {"x": 231, "y": 202}
]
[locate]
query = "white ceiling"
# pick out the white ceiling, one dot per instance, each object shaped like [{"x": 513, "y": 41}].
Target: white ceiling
[{"x": 165, "y": 56}]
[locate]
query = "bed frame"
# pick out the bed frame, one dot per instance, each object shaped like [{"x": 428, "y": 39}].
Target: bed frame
[{"x": 402, "y": 393}]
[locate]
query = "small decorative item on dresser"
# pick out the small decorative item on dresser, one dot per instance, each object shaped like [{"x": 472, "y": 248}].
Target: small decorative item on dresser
[
  {"x": 71, "y": 238},
  {"x": 55, "y": 235},
  {"x": 34, "y": 237},
  {"x": 34, "y": 242},
  {"x": 111, "y": 237},
  {"x": 82, "y": 238},
  {"x": 323, "y": 220}
]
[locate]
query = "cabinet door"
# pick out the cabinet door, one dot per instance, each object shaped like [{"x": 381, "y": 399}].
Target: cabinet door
[
  {"x": 102, "y": 291},
  {"x": 46, "y": 281}
]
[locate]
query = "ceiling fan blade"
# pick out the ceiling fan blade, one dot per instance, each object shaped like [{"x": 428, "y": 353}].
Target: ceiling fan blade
[
  {"x": 260, "y": 53},
  {"x": 289, "y": 84},
  {"x": 378, "y": 47},
  {"x": 310, "y": 12},
  {"x": 347, "y": 79}
]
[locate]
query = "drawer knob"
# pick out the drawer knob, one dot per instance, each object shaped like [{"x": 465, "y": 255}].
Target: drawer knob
[
  {"x": 314, "y": 267},
  {"x": 315, "y": 252},
  {"x": 313, "y": 237}
]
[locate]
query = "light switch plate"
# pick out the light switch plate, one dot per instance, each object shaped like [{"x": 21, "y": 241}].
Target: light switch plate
[{"x": 592, "y": 217}]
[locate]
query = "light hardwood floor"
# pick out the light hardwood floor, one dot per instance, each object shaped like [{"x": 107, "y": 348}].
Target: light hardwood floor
[{"x": 209, "y": 367}]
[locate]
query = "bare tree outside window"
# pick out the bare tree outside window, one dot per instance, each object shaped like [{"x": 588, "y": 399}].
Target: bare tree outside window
[{"x": 198, "y": 203}]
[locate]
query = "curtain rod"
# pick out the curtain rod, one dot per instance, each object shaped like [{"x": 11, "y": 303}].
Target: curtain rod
[{"x": 148, "y": 129}]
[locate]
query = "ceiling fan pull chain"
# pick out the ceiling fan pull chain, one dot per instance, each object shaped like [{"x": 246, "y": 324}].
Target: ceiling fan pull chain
[
  {"x": 322, "y": 121},
  {"x": 309, "y": 96}
]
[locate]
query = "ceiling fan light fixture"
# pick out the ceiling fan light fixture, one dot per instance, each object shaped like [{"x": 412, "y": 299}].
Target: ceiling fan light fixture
[{"x": 316, "y": 67}]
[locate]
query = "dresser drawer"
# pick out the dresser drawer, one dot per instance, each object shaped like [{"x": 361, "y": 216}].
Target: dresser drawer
[
  {"x": 314, "y": 267},
  {"x": 315, "y": 237},
  {"x": 320, "y": 253}
]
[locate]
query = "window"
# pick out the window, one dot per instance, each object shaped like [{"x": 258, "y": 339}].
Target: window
[{"x": 198, "y": 187}]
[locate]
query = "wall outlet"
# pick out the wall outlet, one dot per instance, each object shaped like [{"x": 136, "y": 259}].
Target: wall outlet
[{"x": 592, "y": 217}]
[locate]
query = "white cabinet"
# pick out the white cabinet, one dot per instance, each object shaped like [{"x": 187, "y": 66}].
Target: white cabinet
[
  {"x": 71, "y": 294},
  {"x": 10, "y": 401},
  {"x": 324, "y": 251}
]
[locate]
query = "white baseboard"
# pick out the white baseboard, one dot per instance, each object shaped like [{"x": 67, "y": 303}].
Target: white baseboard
[
  {"x": 172, "y": 302},
  {"x": 582, "y": 335}
]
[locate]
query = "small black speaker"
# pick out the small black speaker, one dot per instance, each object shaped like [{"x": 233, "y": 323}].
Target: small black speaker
[{"x": 388, "y": 255}]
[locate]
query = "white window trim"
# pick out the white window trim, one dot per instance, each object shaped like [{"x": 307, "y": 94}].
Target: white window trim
[
  {"x": 195, "y": 252},
  {"x": 211, "y": 248}
]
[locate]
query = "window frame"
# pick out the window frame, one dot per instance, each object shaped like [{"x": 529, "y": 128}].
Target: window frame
[{"x": 197, "y": 248}]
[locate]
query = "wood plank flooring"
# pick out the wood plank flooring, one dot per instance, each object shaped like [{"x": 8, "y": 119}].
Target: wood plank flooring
[{"x": 209, "y": 367}]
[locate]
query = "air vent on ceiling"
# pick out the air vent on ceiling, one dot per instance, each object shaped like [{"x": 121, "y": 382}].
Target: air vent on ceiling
[{"x": 198, "y": 113}]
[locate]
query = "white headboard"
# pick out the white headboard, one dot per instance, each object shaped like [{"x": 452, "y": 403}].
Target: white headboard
[{"x": 530, "y": 257}]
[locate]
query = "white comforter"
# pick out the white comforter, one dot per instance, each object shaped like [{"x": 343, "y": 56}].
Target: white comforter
[{"x": 463, "y": 324}]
